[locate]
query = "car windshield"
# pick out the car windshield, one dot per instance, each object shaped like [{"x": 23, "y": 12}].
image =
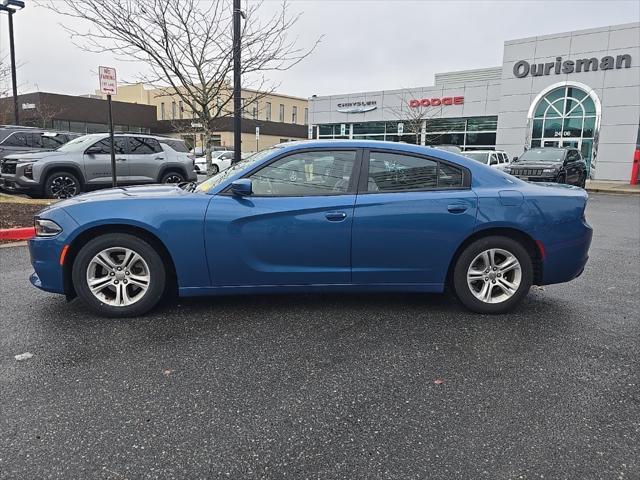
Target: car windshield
[
  {"x": 544, "y": 155},
  {"x": 218, "y": 178},
  {"x": 477, "y": 156},
  {"x": 79, "y": 143}
]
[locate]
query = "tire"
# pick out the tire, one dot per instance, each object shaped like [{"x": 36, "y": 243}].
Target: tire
[
  {"x": 142, "y": 279},
  {"x": 583, "y": 180},
  {"x": 562, "y": 178},
  {"x": 499, "y": 300},
  {"x": 214, "y": 169},
  {"x": 172, "y": 177},
  {"x": 62, "y": 184}
]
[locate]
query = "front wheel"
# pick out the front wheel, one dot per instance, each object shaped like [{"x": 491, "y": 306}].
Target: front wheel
[
  {"x": 62, "y": 185},
  {"x": 119, "y": 275},
  {"x": 493, "y": 275}
]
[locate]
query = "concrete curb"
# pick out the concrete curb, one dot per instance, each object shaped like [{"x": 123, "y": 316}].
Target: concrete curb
[
  {"x": 617, "y": 191},
  {"x": 17, "y": 243},
  {"x": 17, "y": 233}
]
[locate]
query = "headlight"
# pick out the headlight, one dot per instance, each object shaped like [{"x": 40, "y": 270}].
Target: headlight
[
  {"x": 28, "y": 170},
  {"x": 46, "y": 228},
  {"x": 548, "y": 170}
]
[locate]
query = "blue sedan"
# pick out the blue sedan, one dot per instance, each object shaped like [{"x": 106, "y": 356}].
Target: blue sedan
[{"x": 359, "y": 216}]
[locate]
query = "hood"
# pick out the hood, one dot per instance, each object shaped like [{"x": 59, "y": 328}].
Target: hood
[
  {"x": 32, "y": 157},
  {"x": 535, "y": 164},
  {"x": 126, "y": 193}
]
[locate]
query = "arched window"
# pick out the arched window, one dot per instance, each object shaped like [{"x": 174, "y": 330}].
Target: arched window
[{"x": 565, "y": 116}]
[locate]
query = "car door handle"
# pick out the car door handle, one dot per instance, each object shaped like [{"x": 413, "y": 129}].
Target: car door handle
[
  {"x": 121, "y": 159},
  {"x": 159, "y": 158},
  {"x": 335, "y": 216},
  {"x": 457, "y": 208}
]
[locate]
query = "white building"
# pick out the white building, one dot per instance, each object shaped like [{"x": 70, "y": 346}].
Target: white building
[{"x": 578, "y": 89}]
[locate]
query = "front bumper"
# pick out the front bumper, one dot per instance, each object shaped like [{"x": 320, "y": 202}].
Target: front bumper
[
  {"x": 45, "y": 253},
  {"x": 13, "y": 183}
]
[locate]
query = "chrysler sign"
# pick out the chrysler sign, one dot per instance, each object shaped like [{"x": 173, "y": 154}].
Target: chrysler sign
[
  {"x": 357, "y": 107},
  {"x": 522, "y": 68}
]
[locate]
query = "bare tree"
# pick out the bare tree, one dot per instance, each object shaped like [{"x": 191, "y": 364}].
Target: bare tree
[
  {"x": 414, "y": 116},
  {"x": 44, "y": 113},
  {"x": 6, "y": 107},
  {"x": 187, "y": 46}
]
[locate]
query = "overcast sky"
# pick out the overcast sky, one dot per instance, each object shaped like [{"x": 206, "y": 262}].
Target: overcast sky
[{"x": 367, "y": 45}]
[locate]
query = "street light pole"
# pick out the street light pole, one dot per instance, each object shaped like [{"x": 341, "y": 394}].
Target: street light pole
[
  {"x": 237, "y": 88},
  {"x": 10, "y": 6}
]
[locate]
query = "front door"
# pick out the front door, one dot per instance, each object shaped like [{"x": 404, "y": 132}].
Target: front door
[
  {"x": 145, "y": 159},
  {"x": 295, "y": 228},
  {"x": 411, "y": 214},
  {"x": 97, "y": 166}
]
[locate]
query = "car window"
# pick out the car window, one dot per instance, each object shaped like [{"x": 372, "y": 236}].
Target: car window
[
  {"x": 33, "y": 140},
  {"x": 144, "y": 146},
  {"x": 52, "y": 142},
  {"x": 306, "y": 173},
  {"x": 494, "y": 159},
  {"x": 226, "y": 156},
  {"x": 391, "y": 172},
  {"x": 177, "y": 145},
  {"x": 18, "y": 139},
  {"x": 573, "y": 155},
  {"x": 120, "y": 146},
  {"x": 449, "y": 176},
  {"x": 477, "y": 156}
]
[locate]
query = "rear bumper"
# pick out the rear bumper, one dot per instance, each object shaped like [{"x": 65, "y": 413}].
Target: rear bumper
[{"x": 566, "y": 252}]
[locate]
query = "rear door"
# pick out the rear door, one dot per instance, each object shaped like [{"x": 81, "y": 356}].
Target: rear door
[
  {"x": 97, "y": 166},
  {"x": 146, "y": 158},
  {"x": 295, "y": 229},
  {"x": 411, "y": 214}
]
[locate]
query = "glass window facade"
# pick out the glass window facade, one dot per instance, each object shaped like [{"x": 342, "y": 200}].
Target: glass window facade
[
  {"x": 467, "y": 133},
  {"x": 566, "y": 116}
]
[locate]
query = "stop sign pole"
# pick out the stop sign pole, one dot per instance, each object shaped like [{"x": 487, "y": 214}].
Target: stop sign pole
[{"x": 109, "y": 86}]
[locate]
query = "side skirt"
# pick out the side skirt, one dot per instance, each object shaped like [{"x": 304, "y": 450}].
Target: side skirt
[{"x": 321, "y": 288}]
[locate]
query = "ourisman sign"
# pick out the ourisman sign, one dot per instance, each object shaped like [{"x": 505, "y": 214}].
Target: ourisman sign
[{"x": 522, "y": 68}]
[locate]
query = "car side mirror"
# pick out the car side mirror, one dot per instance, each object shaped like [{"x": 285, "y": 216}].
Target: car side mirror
[
  {"x": 514, "y": 159},
  {"x": 93, "y": 150},
  {"x": 241, "y": 187}
]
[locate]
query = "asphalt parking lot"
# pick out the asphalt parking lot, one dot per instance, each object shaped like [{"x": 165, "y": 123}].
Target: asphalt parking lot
[{"x": 331, "y": 386}]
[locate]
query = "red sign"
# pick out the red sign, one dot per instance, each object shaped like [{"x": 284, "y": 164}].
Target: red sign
[{"x": 436, "y": 102}]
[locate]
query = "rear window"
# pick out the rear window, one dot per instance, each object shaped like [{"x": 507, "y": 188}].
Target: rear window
[{"x": 177, "y": 145}]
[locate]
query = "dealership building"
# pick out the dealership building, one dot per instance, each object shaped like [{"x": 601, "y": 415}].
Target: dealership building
[{"x": 574, "y": 89}]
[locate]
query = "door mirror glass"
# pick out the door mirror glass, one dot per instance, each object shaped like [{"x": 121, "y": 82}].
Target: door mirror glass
[
  {"x": 241, "y": 187},
  {"x": 514, "y": 159}
]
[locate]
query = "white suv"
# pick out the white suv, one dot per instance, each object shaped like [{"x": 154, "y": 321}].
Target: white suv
[{"x": 494, "y": 158}]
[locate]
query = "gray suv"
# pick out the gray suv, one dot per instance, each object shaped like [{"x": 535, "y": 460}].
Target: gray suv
[
  {"x": 85, "y": 164},
  {"x": 28, "y": 139}
]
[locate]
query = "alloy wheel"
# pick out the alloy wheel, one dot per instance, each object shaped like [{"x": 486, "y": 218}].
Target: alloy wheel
[
  {"x": 118, "y": 276},
  {"x": 63, "y": 186},
  {"x": 494, "y": 275},
  {"x": 173, "y": 179}
]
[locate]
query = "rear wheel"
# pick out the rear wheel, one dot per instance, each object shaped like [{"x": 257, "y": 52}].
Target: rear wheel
[
  {"x": 214, "y": 169},
  {"x": 562, "y": 178},
  {"x": 62, "y": 185},
  {"x": 172, "y": 177},
  {"x": 119, "y": 275},
  {"x": 493, "y": 275}
]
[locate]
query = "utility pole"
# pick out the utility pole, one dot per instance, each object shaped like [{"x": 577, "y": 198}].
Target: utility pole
[{"x": 237, "y": 88}]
